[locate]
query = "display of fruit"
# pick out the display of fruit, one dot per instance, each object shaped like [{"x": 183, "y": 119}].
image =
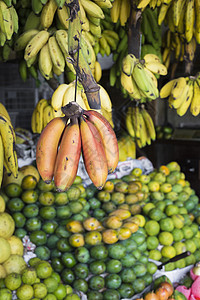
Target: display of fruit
[
  {"x": 37, "y": 280},
  {"x": 183, "y": 94},
  {"x": 8, "y": 155},
  {"x": 127, "y": 148},
  {"x": 164, "y": 132},
  {"x": 90, "y": 134}
]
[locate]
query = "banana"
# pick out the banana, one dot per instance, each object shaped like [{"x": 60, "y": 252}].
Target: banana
[
  {"x": 103, "y": 3},
  {"x": 127, "y": 83},
  {"x": 68, "y": 156},
  {"x": 166, "y": 89},
  {"x": 1, "y": 159},
  {"x": 128, "y": 64},
  {"x": 197, "y": 20},
  {"x": 151, "y": 58},
  {"x": 8, "y": 138},
  {"x": 39, "y": 117},
  {"x": 62, "y": 39},
  {"x": 144, "y": 82},
  {"x": 187, "y": 101},
  {"x": 149, "y": 124},
  {"x": 14, "y": 17},
  {"x": 36, "y": 44},
  {"x": 91, "y": 19},
  {"x": 142, "y": 4},
  {"x": 3, "y": 39},
  {"x": 92, "y": 9},
  {"x": 58, "y": 113},
  {"x": 4, "y": 111},
  {"x": 111, "y": 33},
  {"x": 93, "y": 152},
  {"x": 178, "y": 86},
  {"x": 56, "y": 71},
  {"x": 144, "y": 136},
  {"x": 95, "y": 30},
  {"x": 63, "y": 17},
  {"x": 105, "y": 99},
  {"x": 57, "y": 97},
  {"x": 195, "y": 103},
  {"x": 36, "y": 6},
  {"x": 44, "y": 62},
  {"x": 47, "y": 14},
  {"x": 33, "y": 121},
  {"x": 129, "y": 123},
  {"x": 176, "y": 103},
  {"x": 48, "y": 115},
  {"x": 124, "y": 12},
  {"x": 108, "y": 138},
  {"x": 136, "y": 124},
  {"x": 97, "y": 71},
  {"x": 189, "y": 20},
  {"x": 177, "y": 6},
  {"x": 88, "y": 51},
  {"x": 8, "y": 26},
  {"x": 156, "y": 68},
  {"x": 113, "y": 75},
  {"x": 153, "y": 77},
  {"x": 115, "y": 10},
  {"x": 162, "y": 12},
  {"x": 47, "y": 146},
  {"x": 23, "y": 70},
  {"x": 56, "y": 54},
  {"x": 32, "y": 22}
]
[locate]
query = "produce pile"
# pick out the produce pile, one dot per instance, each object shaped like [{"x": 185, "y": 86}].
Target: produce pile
[{"x": 101, "y": 241}]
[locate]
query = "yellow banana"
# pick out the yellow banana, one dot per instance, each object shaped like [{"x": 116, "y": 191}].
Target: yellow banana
[
  {"x": 24, "y": 38},
  {"x": 92, "y": 9},
  {"x": 189, "y": 20},
  {"x": 47, "y": 115},
  {"x": 57, "y": 97},
  {"x": 105, "y": 99},
  {"x": 149, "y": 124},
  {"x": 128, "y": 120},
  {"x": 195, "y": 103},
  {"x": 178, "y": 86},
  {"x": 33, "y": 121},
  {"x": 115, "y": 10},
  {"x": 166, "y": 89},
  {"x": 8, "y": 26},
  {"x": 176, "y": 103},
  {"x": 44, "y": 62},
  {"x": 1, "y": 159},
  {"x": 124, "y": 11},
  {"x": 128, "y": 64},
  {"x": 35, "y": 44},
  {"x": 142, "y": 4},
  {"x": 63, "y": 16},
  {"x": 97, "y": 71},
  {"x": 185, "y": 105},
  {"x": 4, "y": 111}
]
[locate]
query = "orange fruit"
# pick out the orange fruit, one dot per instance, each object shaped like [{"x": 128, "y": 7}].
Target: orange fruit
[
  {"x": 132, "y": 226},
  {"x": 164, "y": 169},
  {"x": 74, "y": 226},
  {"x": 110, "y": 236},
  {"x": 113, "y": 222},
  {"x": 124, "y": 233},
  {"x": 76, "y": 240},
  {"x": 91, "y": 224}
]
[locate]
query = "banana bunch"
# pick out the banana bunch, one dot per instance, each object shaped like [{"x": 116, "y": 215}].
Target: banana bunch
[
  {"x": 108, "y": 42},
  {"x": 8, "y": 155},
  {"x": 65, "y": 93},
  {"x": 41, "y": 116},
  {"x": 61, "y": 143},
  {"x": 138, "y": 76},
  {"x": 120, "y": 10},
  {"x": 127, "y": 147},
  {"x": 183, "y": 93},
  {"x": 142, "y": 4},
  {"x": 151, "y": 33},
  {"x": 175, "y": 46},
  {"x": 8, "y": 22},
  {"x": 140, "y": 126}
]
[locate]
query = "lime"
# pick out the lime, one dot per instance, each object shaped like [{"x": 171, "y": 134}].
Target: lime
[
  {"x": 113, "y": 266},
  {"x": 139, "y": 269},
  {"x": 31, "y": 210},
  {"x": 25, "y": 292},
  {"x": 129, "y": 244},
  {"x": 126, "y": 290},
  {"x": 187, "y": 232},
  {"x": 45, "y": 187},
  {"x": 73, "y": 193},
  {"x": 42, "y": 252},
  {"x": 172, "y": 195},
  {"x": 128, "y": 260},
  {"x": 94, "y": 203},
  {"x": 80, "y": 285},
  {"x": 61, "y": 198},
  {"x": 171, "y": 210},
  {"x": 68, "y": 259},
  {"x": 152, "y": 227},
  {"x": 38, "y": 237},
  {"x": 14, "y": 204},
  {"x": 177, "y": 234},
  {"x": 190, "y": 245},
  {"x": 20, "y": 232},
  {"x": 96, "y": 282},
  {"x": 29, "y": 196},
  {"x": 196, "y": 241},
  {"x": 40, "y": 290},
  {"x": 29, "y": 276},
  {"x": 111, "y": 294},
  {"x": 13, "y": 190},
  {"x": 46, "y": 198},
  {"x": 82, "y": 254},
  {"x": 81, "y": 270},
  {"x": 168, "y": 251},
  {"x": 76, "y": 297},
  {"x": 151, "y": 267},
  {"x": 152, "y": 242},
  {"x": 117, "y": 198},
  {"x": 33, "y": 224},
  {"x": 170, "y": 266},
  {"x": 158, "y": 196},
  {"x": 165, "y": 238},
  {"x": 180, "y": 247},
  {"x": 166, "y": 224},
  {"x": 138, "y": 285},
  {"x": 113, "y": 281},
  {"x": 127, "y": 275},
  {"x": 99, "y": 252},
  {"x": 195, "y": 228},
  {"x": 49, "y": 226},
  {"x": 155, "y": 214},
  {"x": 116, "y": 251},
  {"x": 43, "y": 269},
  {"x": 13, "y": 281},
  {"x": 147, "y": 207},
  {"x": 178, "y": 221},
  {"x": 191, "y": 259},
  {"x": 47, "y": 212},
  {"x": 155, "y": 254}
]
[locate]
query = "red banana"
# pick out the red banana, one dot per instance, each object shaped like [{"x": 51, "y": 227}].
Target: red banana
[
  {"x": 108, "y": 137},
  {"x": 93, "y": 153},
  {"x": 47, "y": 147},
  {"x": 68, "y": 157}
]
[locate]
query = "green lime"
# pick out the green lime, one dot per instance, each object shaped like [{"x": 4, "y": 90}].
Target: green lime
[
  {"x": 82, "y": 254},
  {"x": 177, "y": 235},
  {"x": 152, "y": 227},
  {"x": 113, "y": 281},
  {"x": 13, "y": 190},
  {"x": 61, "y": 198},
  {"x": 45, "y": 187},
  {"x": 113, "y": 266},
  {"x": 60, "y": 292},
  {"x": 94, "y": 203},
  {"x": 19, "y": 219},
  {"x": 42, "y": 252},
  {"x": 47, "y": 212},
  {"x": 152, "y": 242},
  {"x": 49, "y": 226},
  {"x": 96, "y": 282},
  {"x": 190, "y": 245},
  {"x": 14, "y": 204},
  {"x": 38, "y": 237},
  {"x": 166, "y": 224},
  {"x": 99, "y": 252},
  {"x": 139, "y": 269},
  {"x": 165, "y": 238},
  {"x": 138, "y": 285},
  {"x": 33, "y": 224},
  {"x": 13, "y": 281},
  {"x": 25, "y": 291},
  {"x": 155, "y": 214},
  {"x": 46, "y": 198},
  {"x": 116, "y": 251},
  {"x": 81, "y": 270},
  {"x": 180, "y": 247},
  {"x": 51, "y": 284},
  {"x": 128, "y": 260},
  {"x": 129, "y": 244},
  {"x": 179, "y": 264},
  {"x": 31, "y": 210},
  {"x": 68, "y": 260},
  {"x": 97, "y": 267},
  {"x": 43, "y": 269},
  {"x": 168, "y": 251},
  {"x": 29, "y": 196},
  {"x": 127, "y": 275},
  {"x": 171, "y": 210},
  {"x": 151, "y": 267},
  {"x": 155, "y": 254},
  {"x": 67, "y": 276},
  {"x": 187, "y": 232},
  {"x": 40, "y": 290},
  {"x": 111, "y": 294},
  {"x": 93, "y": 295},
  {"x": 20, "y": 232},
  {"x": 73, "y": 193}
]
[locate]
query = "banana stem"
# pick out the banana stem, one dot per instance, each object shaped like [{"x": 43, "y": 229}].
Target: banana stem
[
  {"x": 79, "y": 62},
  {"x": 134, "y": 33}
]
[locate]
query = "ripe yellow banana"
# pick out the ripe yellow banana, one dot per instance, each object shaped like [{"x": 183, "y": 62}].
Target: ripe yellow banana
[
  {"x": 36, "y": 44},
  {"x": 105, "y": 99},
  {"x": 187, "y": 101},
  {"x": 92, "y": 9},
  {"x": 149, "y": 124},
  {"x": 195, "y": 104},
  {"x": 128, "y": 64},
  {"x": 63, "y": 17},
  {"x": 129, "y": 123},
  {"x": 166, "y": 89},
  {"x": 124, "y": 12},
  {"x": 24, "y": 39},
  {"x": 189, "y": 20},
  {"x": 115, "y": 10},
  {"x": 97, "y": 71},
  {"x": 57, "y": 97},
  {"x": 48, "y": 115},
  {"x": 44, "y": 62},
  {"x": 4, "y": 111},
  {"x": 178, "y": 86}
]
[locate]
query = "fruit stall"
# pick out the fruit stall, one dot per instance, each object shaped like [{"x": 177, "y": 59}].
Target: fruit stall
[{"x": 99, "y": 149}]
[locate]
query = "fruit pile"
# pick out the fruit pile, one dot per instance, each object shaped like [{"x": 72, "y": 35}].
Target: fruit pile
[{"x": 38, "y": 281}]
